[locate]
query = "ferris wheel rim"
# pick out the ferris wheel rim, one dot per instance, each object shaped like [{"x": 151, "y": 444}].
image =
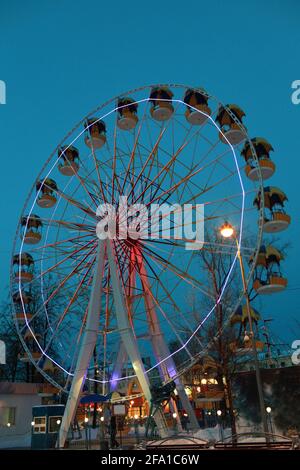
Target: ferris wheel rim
[{"x": 250, "y": 272}]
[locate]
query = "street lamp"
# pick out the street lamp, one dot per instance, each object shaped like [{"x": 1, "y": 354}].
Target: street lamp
[
  {"x": 269, "y": 410},
  {"x": 227, "y": 231},
  {"x": 219, "y": 414}
]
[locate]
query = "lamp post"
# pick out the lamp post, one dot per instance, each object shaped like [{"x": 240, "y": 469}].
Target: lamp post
[
  {"x": 174, "y": 422},
  {"x": 219, "y": 414},
  {"x": 269, "y": 411},
  {"x": 227, "y": 231}
]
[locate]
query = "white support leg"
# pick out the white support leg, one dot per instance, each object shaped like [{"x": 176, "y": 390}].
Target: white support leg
[
  {"x": 120, "y": 361},
  {"x": 87, "y": 346},
  {"x": 159, "y": 345},
  {"x": 128, "y": 337}
]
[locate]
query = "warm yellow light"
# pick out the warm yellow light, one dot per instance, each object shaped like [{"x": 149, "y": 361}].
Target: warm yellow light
[
  {"x": 213, "y": 381},
  {"x": 86, "y": 419},
  {"x": 136, "y": 417},
  {"x": 132, "y": 402},
  {"x": 198, "y": 389},
  {"x": 188, "y": 391},
  {"x": 174, "y": 415},
  {"x": 226, "y": 230},
  {"x": 203, "y": 381}
]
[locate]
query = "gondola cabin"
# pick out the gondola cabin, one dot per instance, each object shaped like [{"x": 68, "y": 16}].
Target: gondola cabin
[
  {"x": 264, "y": 165},
  {"x": 275, "y": 217},
  {"x": 197, "y": 110},
  {"x": 161, "y": 103},
  {"x": 68, "y": 160},
  {"x": 242, "y": 345},
  {"x": 22, "y": 304},
  {"x": 46, "y": 193},
  {"x": 268, "y": 278},
  {"x": 95, "y": 131},
  {"x": 31, "y": 229},
  {"x": 232, "y": 130},
  {"x": 31, "y": 343},
  {"x": 23, "y": 267},
  {"x": 127, "y": 114}
]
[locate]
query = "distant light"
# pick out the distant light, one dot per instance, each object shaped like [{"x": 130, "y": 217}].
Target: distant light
[
  {"x": 136, "y": 417},
  {"x": 185, "y": 414},
  {"x": 58, "y": 421},
  {"x": 175, "y": 392},
  {"x": 209, "y": 413},
  {"x": 174, "y": 415},
  {"x": 188, "y": 391},
  {"x": 86, "y": 419},
  {"x": 102, "y": 419},
  {"x": 132, "y": 402},
  {"x": 203, "y": 381},
  {"x": 32, "y": 423},
  {"x": 8, "y": 425},
  {"x": 226, "y": 230},
  {"x": 268, "y": 409},
  {"x": 219, "y": 412},
  {"x": 198, "y": 389}
]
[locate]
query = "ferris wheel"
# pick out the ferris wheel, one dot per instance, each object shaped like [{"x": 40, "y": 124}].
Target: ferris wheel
[{"x": 113, "y": 301}]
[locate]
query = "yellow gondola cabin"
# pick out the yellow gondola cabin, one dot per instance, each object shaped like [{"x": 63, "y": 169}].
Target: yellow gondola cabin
[
  {"x": 127, "y": 114},
  {"x": 161, "y": 103},
  {"x": 232, "y": 129},
  {"x": 266, "y": 166}
]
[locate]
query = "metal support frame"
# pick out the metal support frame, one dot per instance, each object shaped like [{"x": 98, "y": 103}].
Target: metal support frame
[
  {"x": 160, "y": 348},
  {"x": 128, "y": 337},
  {"x": 254, "y": 350},
  {"x": 89, "y": 339}
]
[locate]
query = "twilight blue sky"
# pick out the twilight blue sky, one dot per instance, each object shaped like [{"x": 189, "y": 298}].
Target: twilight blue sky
[{"x": 61, "y": 58}]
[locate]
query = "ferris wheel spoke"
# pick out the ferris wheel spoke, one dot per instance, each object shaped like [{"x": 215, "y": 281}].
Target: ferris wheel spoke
[
  {"x": 183, "y": 275},
  {"x": 72, "y": 272},
  {"x": 77, "y": 204},
  {"x": 185, "y": 142},
  {"x": 164, "y": 169},
  {"x": 133, "y": 181},
  {"x": 187, "y": 179},
  {"x": 133, "y": 152},
  {"x": 71, "y": 240},
  {"x": 98, "y": 174},
  {"x": 83, "y": 185},
  {"x": 159, "y": 307},
  {"x": 71, "y": 302}
]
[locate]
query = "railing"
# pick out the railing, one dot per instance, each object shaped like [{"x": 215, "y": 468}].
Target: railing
[{"x": 268, "y": 441}]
